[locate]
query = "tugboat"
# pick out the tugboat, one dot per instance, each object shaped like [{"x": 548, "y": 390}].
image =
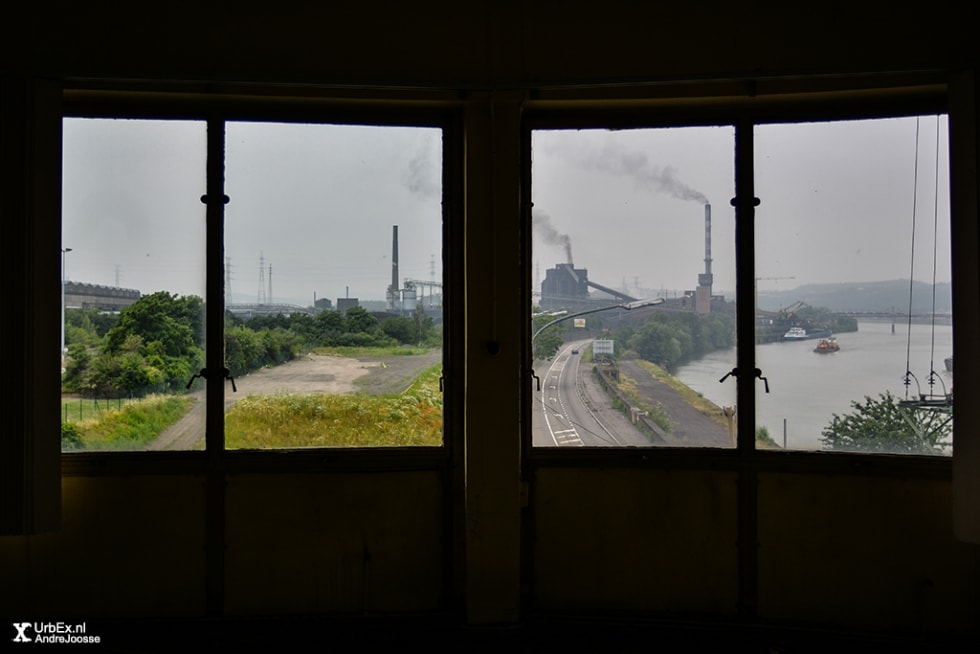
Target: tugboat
[{"x": 827, "y": 345}]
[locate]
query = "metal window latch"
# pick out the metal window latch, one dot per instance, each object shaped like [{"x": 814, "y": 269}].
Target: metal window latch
[
  {"x": 536, "y": 378},
  {"x": 204, "y": 375},
  {"x": 758, "y": 373}
]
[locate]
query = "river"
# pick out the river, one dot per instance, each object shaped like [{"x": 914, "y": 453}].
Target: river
[{"x": 806, "y": 389}]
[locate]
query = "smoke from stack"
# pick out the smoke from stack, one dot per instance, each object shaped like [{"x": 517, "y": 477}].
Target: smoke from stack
[{"x": 551, "y": 236}]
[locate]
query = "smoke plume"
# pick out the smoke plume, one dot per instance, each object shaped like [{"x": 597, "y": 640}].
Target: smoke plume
[
  {"x": 551, "y": 236},
  {"x": 613, "y": 160},
  {"x": 422, "y": 174}
]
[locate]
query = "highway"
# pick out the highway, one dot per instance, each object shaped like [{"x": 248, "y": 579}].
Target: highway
[{"x": 571, "y": 410}]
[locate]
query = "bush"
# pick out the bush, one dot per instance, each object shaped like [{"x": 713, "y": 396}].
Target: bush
[{"x": 71, "y": 436}]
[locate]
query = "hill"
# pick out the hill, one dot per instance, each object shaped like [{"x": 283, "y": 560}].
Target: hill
[{"x": 886, "y": 296}]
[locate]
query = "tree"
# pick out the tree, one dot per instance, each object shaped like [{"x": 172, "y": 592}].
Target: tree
[
  {"x": 359, "y": 320},
  {"x": 547, "y": 343},
  {"x": 175, "y": 322},
  {"x": 658, "y": 343},
  {"x": 164, "y": 326},
  {"x": 883, "y": 424},
  {"x": 327, "y": 327}
]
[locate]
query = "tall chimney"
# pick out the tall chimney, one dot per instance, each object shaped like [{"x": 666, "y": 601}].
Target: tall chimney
[
  {"x": 707, "y": 240},
  {"x": 394, "y": 258},
  {"x": 702, "y": 300}
]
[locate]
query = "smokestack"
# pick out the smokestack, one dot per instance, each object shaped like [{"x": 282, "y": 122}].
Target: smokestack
[
  {"x": 707, "y": 240},
  {"x": 394, "y": 258}
]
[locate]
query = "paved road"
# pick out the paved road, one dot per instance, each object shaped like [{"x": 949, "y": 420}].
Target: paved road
[{"x": 573, "y": 410}]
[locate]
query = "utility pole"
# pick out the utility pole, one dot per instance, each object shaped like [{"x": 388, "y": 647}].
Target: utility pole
[{"x": 64, "y": 251}]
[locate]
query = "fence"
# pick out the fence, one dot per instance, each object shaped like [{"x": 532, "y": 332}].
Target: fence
[{"x": 84, "y": 408}]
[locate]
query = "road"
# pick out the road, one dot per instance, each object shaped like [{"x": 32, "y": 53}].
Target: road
[{"x": 573, "y": 410}]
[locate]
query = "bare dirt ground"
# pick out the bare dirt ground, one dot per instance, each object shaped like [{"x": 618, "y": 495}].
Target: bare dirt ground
[
  {"x": 311, "y": 373},
  {"x": 691, "y": 427}
]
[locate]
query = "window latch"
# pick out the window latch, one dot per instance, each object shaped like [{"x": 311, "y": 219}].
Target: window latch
[
  {"x": 536, "y": 378},
  {"x": 204, "y": 375},
  {"x": 758, "y": 373}
]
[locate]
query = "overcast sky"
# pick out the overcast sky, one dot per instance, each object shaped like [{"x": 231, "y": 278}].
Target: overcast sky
[
  {"x": 312, "y": 207},
  {"x": 836, "y": 204}
]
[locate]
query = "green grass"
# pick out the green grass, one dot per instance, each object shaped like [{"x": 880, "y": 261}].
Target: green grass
[
  {"x": 692, "y": 397},
  {"x": 355, "y": 352},
  {"x": 131, "y": 426},
  {"x": 412, "y": 418},
  {"x": 79, "y": 409},
  {"x": 698, "y": 401}
]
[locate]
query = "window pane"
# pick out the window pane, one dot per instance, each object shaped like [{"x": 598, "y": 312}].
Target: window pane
[
  {"x": 854, "y": 352},
  {"x": 132, "y": 248},
  {"x": 333, "y": 285},
  {"x": 625, "y": 218}
]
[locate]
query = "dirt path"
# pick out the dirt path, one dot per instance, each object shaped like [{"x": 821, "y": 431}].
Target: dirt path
[
  {"x": 690, "y": 426},
  {"x": 309, "y": 374}
]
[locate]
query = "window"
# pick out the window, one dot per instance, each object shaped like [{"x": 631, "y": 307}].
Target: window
[
  {"x": 634, "y": 276},
  {"x": 333, "y": 254},
  {"x": 331, "y": 267},
  {"x": 133, "y": 282},
  {"x": 634, "y": 287},
  {"x": 852, "y": 254}
]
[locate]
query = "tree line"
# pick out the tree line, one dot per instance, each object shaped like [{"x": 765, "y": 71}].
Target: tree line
[
  {"x": 667, "y": 338},
  {"x": 157, "y": 344}
]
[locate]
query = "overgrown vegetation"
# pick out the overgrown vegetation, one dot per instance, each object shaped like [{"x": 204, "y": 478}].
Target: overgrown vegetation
[
  {"x": 157, "y": 344},
  {"x": 413, "y": 418},
  {"x": 883, "y": 424},
  {"x": 132, "y": 427},
  {"x": 667, "y": 338},
  {"x": 670, "y": 338}
]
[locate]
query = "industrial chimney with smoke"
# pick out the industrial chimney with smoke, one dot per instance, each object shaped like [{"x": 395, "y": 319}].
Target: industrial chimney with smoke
[{"x": 702, "y": 302}]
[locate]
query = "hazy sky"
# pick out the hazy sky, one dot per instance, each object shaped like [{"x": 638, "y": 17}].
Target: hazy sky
[
  {"x": 312, "y": 207},
  {"x": 836, "y": 204}
]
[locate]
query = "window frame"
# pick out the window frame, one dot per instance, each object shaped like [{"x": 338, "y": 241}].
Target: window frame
[
  {"x": 216, "y": 109},
  {"x": 742, "y": 106}
]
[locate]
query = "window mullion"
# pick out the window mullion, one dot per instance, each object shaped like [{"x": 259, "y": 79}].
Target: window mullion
[
  {"x": 215, "y": 200},
  {"x": 745, "y": 203},
  {"x": 214, "y": 356}
]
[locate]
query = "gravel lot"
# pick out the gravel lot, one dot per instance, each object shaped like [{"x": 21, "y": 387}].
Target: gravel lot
[{"x": 309, "y": 374}]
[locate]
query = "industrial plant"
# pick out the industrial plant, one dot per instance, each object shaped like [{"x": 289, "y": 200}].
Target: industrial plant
[
  {"x": 402, "y": 296},
  {"x": 568, "y": 287}
]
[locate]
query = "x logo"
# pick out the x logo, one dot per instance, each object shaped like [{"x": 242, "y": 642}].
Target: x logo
[{"x": 21, "y": 627}]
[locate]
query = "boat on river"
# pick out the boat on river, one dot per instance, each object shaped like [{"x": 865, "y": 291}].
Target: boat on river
[
  {"x": 800, "y": 334},
  {"x": 827, "y": 345}
]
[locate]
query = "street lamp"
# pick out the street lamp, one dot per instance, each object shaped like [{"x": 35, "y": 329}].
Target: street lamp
[
  {"x": 629, "y": 306},
  {"x": 64, "y": 251}
]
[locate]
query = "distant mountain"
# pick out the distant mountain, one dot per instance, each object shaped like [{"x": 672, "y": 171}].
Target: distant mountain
[{"x": 885, "y": 296}]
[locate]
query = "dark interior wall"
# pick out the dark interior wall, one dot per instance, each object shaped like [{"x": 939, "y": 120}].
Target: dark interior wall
[
  {"x": 851, "y": 551},
  {"x": 859, "y": 552},
  {"x": 481, "y": 44},
  {"x": 128, "y": 546}
]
